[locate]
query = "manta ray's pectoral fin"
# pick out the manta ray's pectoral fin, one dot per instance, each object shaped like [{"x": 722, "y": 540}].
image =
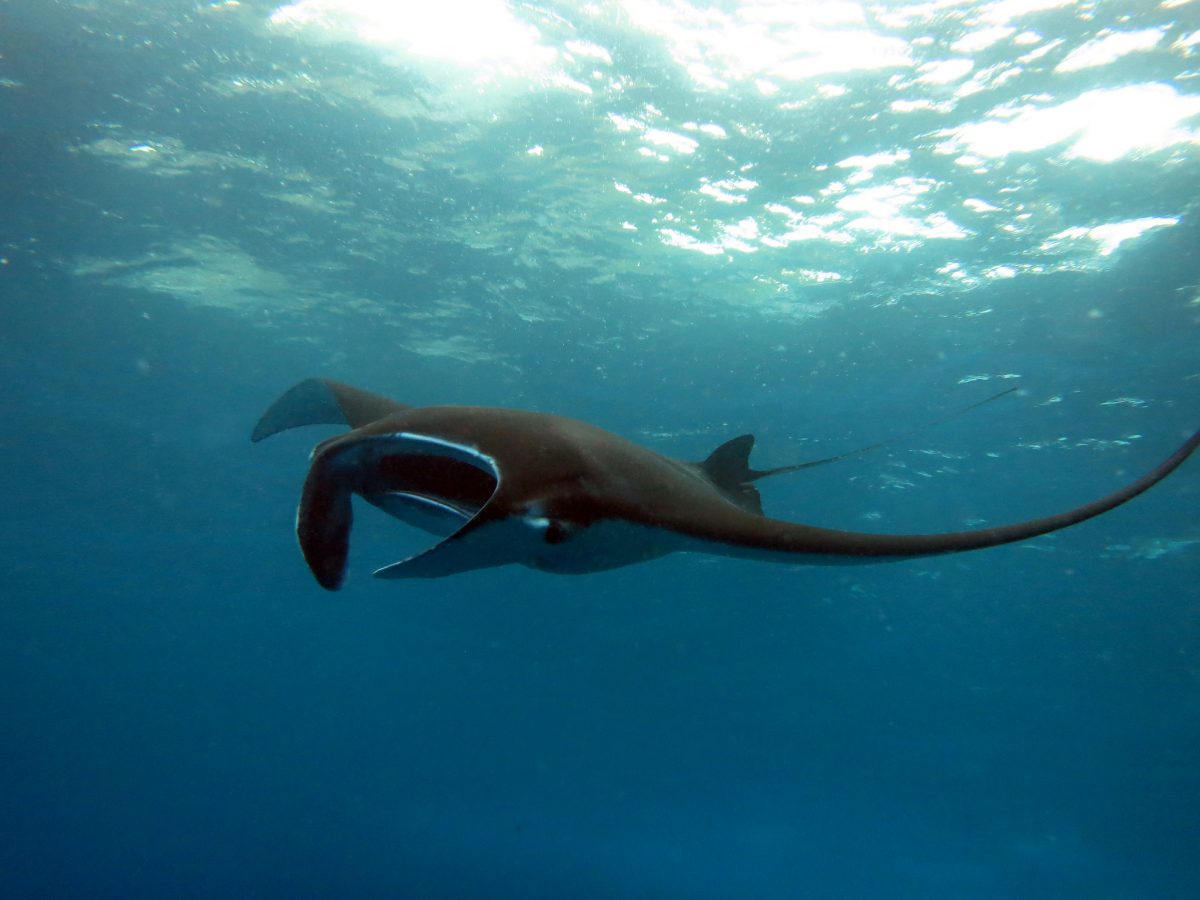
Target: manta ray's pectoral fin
[{"x": 319, "y": 401}]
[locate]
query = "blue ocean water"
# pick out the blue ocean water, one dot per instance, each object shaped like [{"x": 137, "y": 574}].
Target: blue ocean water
[{"x": 821, "y": 223}]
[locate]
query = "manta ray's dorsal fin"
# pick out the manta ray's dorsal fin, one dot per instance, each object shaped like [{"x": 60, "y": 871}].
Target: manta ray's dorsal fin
[
  {"x": 319, "y": 401},
  {"x": 728, "y": 468}
]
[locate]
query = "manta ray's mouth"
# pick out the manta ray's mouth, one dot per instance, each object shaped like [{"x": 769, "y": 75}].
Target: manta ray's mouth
[
  {"x": 437, "y": 494},
  {"x": 432, "y": 514},
  {"x": 431, "y": 484}
]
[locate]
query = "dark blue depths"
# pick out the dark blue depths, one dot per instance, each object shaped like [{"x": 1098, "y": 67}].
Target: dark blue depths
[{"x": 186, "y": 714}]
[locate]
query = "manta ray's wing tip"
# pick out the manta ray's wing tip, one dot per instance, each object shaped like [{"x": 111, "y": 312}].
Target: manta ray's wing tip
[
  {"x": 309, "y": 402},
  {"x": 441, "y": 559},
  {"x": 480, "y": 544},
  {"x": 320, "y": 401}
]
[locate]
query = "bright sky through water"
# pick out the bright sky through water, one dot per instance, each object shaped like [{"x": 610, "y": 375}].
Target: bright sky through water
[
  {"x": 788, "y": 51},
  {"x": 810, "y": 137}
]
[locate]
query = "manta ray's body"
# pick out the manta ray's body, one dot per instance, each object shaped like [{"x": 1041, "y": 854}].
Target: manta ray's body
[{"x": 557, "y": 494}]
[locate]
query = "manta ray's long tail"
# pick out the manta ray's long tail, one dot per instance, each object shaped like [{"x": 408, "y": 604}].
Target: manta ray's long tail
[{"x": 760, "y": 537}]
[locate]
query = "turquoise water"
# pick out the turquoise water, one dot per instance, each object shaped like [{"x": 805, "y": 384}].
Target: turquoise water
[{"x": 823, "y": 223}]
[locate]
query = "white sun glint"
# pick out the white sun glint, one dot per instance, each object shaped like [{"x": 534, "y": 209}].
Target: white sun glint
[
  {"x": 794, "y": 55},
  {"x": 761, "y": 43},
  {"x": 1109, "y": 47},
  {"x": 945, "y": 71},
  {"x": 670, "y": 140},
  {"x": 481, "y": 35},
  {"x": 1103, "y": 125},
  {"x": 1108, "y": 237},
  {"x": 983, "y": 38}
]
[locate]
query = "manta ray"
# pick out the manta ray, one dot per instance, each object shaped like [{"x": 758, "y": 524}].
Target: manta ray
[{"x": 505, "y": 486}]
